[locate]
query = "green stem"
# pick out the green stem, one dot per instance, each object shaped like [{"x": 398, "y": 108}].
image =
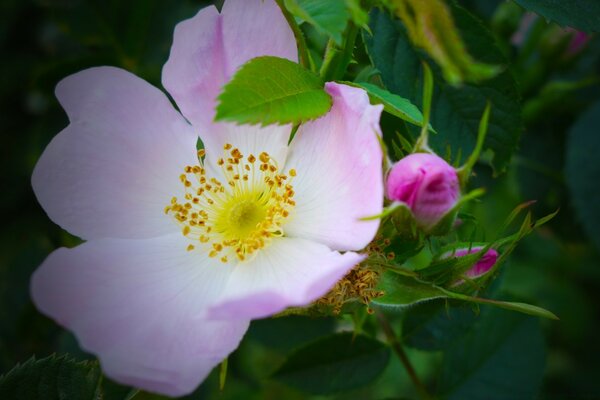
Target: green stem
[
  {"x": 397, "y": 347},
  {"x": 422, "y": 143},
  {"x": 464, "y": 172},
  {"x": 338, "y": 58},
  {"x": 223, "y": 374},
  {"x": 304, "y": 56}
]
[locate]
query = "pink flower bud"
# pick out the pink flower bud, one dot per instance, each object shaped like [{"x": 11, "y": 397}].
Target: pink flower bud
[
  {"x": 427, "y": 184},
  {"x": 482, "y": 266},
  {"x": 578, "y": 41}
]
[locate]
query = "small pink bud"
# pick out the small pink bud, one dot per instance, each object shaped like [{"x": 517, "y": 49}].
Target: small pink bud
[
  {"x": 427, "y": 184},
  {"x": 578, "y": 41},
  {"x": 482, "y": 266}
]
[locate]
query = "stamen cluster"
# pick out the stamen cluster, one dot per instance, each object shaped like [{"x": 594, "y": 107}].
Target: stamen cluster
[{"x": 240, "y": 216}]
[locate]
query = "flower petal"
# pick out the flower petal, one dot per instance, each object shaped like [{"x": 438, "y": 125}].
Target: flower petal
[
  {"x": 208, "y": 48},
  {"x": 140, "y": 305},
  {"x": 249, "y": 139},
  {"x": 112, "y": 171},
  {"x": 289, "y": 272},
  {"x": 338, "y": 160}
]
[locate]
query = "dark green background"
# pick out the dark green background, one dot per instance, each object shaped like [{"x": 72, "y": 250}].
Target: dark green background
[{"x": 557, "y": 163}]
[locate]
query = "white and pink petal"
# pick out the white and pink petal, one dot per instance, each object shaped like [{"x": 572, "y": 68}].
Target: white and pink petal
[
  {"x": 140, "y": 306},
  {"x": 208, "y": 48},
  {"x": 289, "y": 272},
  {"x": 338, "y": 160},
  {"x": 112, "y": 171}
]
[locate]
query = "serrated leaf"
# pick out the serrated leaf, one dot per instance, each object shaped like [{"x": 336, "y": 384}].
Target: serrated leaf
[
  {"x": 430, "y": 26},
  {"x": 392, "y": 103},
  {"x": 456, "y": 112},
  {"x": 582, "y": 170},
  {"x": 335, "y": 363},
  {"x": 403, "y": 291},
  {"x": 580, "y": 14},
  {"x": 54, "y": 377},
  {"x": 329, "y": 17},
  {"x": 501, "y": 357},
  {"x": 268, "y": 90}
]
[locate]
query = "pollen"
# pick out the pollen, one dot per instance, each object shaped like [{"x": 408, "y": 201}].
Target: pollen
[
  {"x": 358, "y": 285},
  {"x": 235, "y": 219}
]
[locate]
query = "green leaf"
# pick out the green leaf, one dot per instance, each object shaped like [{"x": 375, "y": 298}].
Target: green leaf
[
  {"x": 54, "y": 377},
  {"x": 435, "y": 325},
  {"x": 583, "y": 15},
  {"x": 582, "y": 170},
  {"x": 402, "y": 291},
  {"x": 392, "y": 103},
  {"x": 286, "y": 333},
  {"x": 335, "y": 363},
  {"x": 430, "y": 27},
  {"x": 456, "y": 111},
  {"x": 501, "y": 357},
  {"x": 359, "y": 16},
  {"x": 523, "y": 308},
  {"x": 270, "y": 90},
  {"x": 329, "y": 17}
]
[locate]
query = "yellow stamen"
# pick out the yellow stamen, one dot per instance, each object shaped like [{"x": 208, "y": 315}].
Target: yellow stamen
[{"x": 238, "y": 219}]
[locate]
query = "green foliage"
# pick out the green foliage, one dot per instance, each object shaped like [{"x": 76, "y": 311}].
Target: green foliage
[
  {"x": 52, "y": 378},
  {"x": 582, "y": 168},
  {"x": 268, "y": 90},
  {"x": 436, "y": 325},
  {"x": 335, "y": 363},
  {"x": 460, "y": 347},
  {"x": 392, "y": 103},
  {"x": 456, "y": 111},
  {"x": 329, "y": 17},
  {"x": 430, "y": 27},
  {"x": 580, "y": 14},
  {"x": 500, "y": 356},
  {"x": 402, "y": 291}
]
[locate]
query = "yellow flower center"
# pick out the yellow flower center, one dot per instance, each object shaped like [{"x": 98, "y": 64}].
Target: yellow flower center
[{"x": 240, "y": 217}]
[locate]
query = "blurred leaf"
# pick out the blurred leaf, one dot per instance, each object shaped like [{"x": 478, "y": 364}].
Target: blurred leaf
[
  {"x": 330, "y": 16},
  {"x": 359, "y": 16},
  {"x": 269, "y": 90},
  {"x": 52, "y": 378},
  {"x": 580, "y": 14},
  {"x": 456, "y": 111},
  {"x": 583, "y": 170},
  {"x": 392, "y": 103},
  {"x": 287, "y": 333},
  {"x": 436, "y": 325},
  {"x": 333, "y": 364},
  {"x": 430, "y": 27},
  {"x": 501, "y": 357}
]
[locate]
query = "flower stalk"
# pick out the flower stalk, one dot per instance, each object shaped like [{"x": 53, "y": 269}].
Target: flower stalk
[{"x": 397, "y": 347}]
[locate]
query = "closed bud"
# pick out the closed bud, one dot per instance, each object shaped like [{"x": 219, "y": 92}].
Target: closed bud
[
  {"x": 482, "y": 266},
  {"x": 427, "y": 184}
]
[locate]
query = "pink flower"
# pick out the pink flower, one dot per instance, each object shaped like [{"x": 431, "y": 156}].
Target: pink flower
[
  {"x": 181, "y": 252},
  {"x": 427, "y": 184},
  {"x": 482, "y": 266}
]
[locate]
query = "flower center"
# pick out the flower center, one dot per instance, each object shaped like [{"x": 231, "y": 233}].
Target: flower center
[{"x": 238, "y": 218}]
